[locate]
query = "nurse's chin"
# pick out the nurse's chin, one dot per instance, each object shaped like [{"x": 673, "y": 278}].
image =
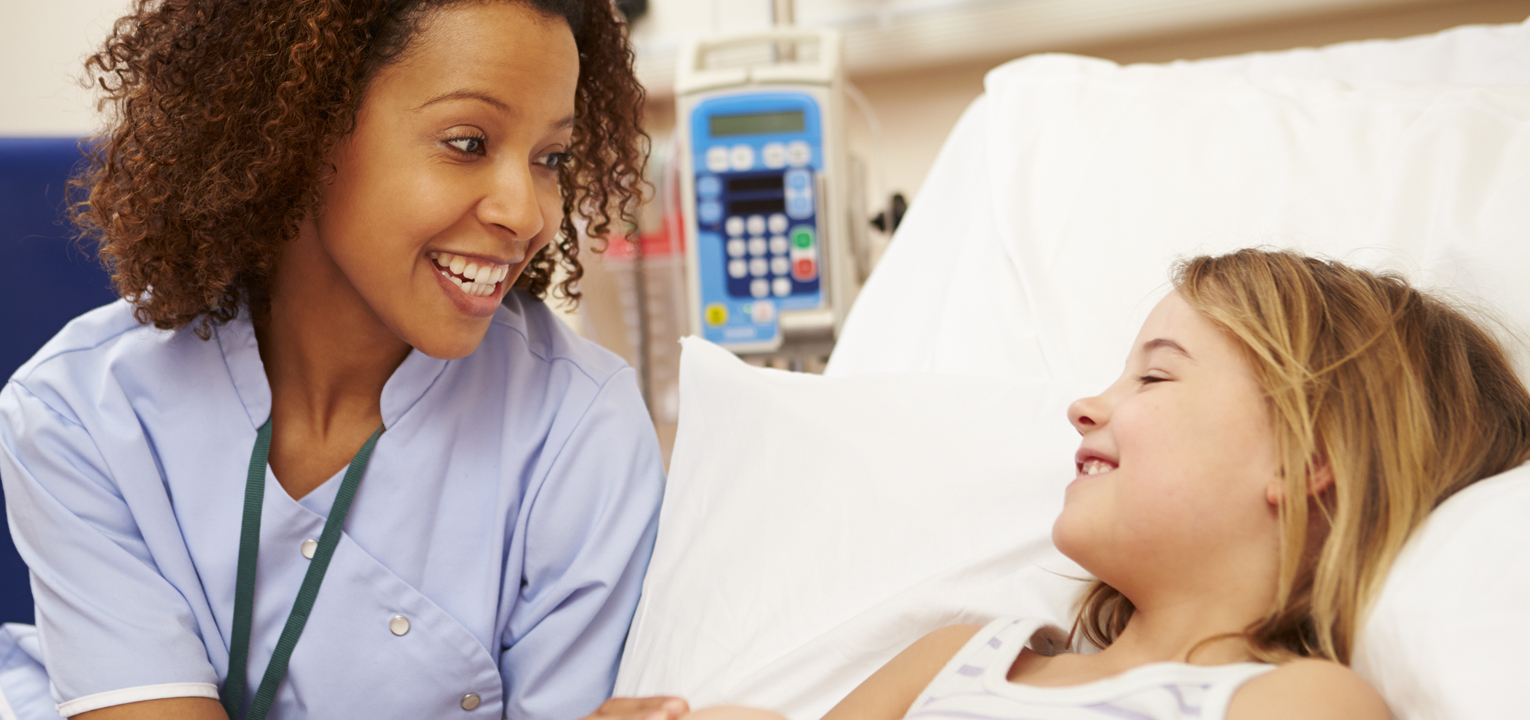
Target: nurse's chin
[{"x": 451, "y": 340}]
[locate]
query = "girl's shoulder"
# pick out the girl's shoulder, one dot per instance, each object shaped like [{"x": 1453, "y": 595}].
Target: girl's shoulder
[{"x": 1308, "y": 688}]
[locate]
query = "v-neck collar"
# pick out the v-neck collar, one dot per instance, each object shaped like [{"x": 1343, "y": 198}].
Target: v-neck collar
[{"x": 241, "y": 353}]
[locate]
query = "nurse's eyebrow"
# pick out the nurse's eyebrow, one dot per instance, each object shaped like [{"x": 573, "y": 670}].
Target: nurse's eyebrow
[
  {"x": 466, "y": 95},
  {"x": 1167, "y": 344}
]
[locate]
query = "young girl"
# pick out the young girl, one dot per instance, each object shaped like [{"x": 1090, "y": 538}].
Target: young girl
[
  {"x": 1282, "y": 425},
  {"x": 331, "y": 456}
]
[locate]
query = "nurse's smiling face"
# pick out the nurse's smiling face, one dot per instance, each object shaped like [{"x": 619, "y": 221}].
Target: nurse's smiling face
[{"x": 448, "y": 185}]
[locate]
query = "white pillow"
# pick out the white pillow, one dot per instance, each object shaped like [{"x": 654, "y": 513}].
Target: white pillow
[
  {"x": 814, "y": 527},
  {"x": 1448, "y": 637},
  {"x": 1050, "y": 219}
]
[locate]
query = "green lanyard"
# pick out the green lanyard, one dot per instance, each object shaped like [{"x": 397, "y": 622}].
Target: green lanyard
[{"x": 244, "y": 584}]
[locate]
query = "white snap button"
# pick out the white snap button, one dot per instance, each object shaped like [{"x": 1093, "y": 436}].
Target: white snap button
[
  {"x": 309, "y": 547},
  {"x": 469, "y": 701},
  {"x": 399, "y": 625}
]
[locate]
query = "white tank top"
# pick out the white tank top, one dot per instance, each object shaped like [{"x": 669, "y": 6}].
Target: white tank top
[{"x": 973, "y": 686}]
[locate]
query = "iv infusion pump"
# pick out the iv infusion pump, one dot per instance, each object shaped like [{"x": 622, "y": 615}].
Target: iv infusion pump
[{"x": 768, "y": 256}]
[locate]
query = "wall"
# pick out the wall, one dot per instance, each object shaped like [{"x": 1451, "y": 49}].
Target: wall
[{"x": 43, "y": 46}]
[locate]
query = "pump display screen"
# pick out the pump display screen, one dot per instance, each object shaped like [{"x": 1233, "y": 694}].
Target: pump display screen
[{"x": 758, "y": 123}]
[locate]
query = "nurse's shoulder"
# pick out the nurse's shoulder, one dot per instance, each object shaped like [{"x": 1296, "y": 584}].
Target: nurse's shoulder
[
  {"x": 525, "y": 324},
  {"x": 93, "y": 347}
]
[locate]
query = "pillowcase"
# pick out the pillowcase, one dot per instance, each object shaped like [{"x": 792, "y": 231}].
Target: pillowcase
[
  {"x": 1448, "y": 635},
  {"x": 1065, "y": 193},
  {"x": 814, "y": 527}
]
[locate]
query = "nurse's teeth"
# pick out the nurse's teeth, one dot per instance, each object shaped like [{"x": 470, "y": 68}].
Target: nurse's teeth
[{"x": 475, "y": 277}]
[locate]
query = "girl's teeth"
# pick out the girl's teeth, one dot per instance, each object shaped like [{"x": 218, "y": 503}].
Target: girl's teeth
[
  {"x": 458, "y": 263},
  {"x": 1095, "y": 467}
]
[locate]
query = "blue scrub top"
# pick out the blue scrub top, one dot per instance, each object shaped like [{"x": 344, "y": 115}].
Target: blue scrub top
[{"x": 507, "y": 515}]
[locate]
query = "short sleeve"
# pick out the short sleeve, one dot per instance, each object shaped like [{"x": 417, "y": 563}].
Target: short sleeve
[
  {"x": 589, "y": 534},
  {"x": 112, "y": 628}
]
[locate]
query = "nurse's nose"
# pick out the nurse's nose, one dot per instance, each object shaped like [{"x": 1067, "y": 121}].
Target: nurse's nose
[
  {"x": 1087, "y": 414},
  {"x": 511, "y": 202}
]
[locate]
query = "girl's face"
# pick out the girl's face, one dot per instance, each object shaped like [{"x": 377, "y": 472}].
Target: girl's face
[
  {"x": 1177, "y": 470},
  {"x": 449, "y": 184}
]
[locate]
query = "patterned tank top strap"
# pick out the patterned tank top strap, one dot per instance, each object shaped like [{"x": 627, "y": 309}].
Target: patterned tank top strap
[
  {"x": 1228, "y": 679},
  {"x": 999, "y": 641}
]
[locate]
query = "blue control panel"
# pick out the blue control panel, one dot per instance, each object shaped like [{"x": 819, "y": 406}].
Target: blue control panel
[{"x": 757, "y": 157}]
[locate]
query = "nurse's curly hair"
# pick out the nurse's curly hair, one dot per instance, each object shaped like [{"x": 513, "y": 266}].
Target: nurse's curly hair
[{"x": 221, "y": 117}]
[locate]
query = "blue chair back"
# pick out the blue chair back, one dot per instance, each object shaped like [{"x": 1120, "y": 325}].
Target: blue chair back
[{"x": 46, "y": 279}]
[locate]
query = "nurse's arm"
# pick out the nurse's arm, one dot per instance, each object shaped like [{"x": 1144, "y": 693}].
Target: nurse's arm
[{"x": 187, "y": 708}]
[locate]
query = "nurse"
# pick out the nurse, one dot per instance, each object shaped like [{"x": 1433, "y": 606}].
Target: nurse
[{"x": 331, "y": 456}]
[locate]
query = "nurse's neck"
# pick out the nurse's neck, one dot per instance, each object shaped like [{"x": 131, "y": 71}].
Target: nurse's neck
[{"x": 327, "y": 357}]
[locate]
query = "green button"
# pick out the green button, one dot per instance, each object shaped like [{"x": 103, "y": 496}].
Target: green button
[{"x": 802, "y": 237}]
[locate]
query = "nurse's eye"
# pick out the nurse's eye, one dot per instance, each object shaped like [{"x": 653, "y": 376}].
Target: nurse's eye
[
  {"x": 470, "y": 144},
  {"x": 1150, "y": 379},
  {"x": 553, "y": 161}
]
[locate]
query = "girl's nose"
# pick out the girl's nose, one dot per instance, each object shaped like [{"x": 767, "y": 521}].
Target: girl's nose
[{"x": 1087, "y": 414}]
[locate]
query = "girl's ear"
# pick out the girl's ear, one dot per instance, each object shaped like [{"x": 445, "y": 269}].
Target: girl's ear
[{"x": 1319, "y": 479}]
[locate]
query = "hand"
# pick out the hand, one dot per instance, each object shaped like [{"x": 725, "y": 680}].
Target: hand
[{"x": 649, "y": 708}]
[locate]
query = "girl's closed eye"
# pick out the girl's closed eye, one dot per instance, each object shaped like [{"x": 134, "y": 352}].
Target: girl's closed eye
[{"x": 1149, "y": 379}]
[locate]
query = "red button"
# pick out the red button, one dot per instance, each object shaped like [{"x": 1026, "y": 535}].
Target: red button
[{"x": 804, "y": 269}]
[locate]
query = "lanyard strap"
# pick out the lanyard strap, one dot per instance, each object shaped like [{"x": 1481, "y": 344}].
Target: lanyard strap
[{"x": 244, "y": 584}]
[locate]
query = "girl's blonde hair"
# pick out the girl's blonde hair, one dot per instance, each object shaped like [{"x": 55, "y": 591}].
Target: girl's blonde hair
[{"x": 1403, "y": 398}]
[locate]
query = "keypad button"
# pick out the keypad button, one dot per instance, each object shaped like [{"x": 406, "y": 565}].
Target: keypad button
[
  {"x": 756, "y": 225},
  {"x": 779, "y": 265},
  {"x": 708, "y": 186},
  {"x": 774, "y": 155},
  {"x": 709, "y": 212},
  {"x": 741, "y": 157},
  {"x": 802, "y": 237},
  {"x": 738, "y": 268},
  {"x": 799, "y": 207},
  {"x": 734, "y": 225},
  {"x": 717, "y": 158},
  {"x": 798, "y": 153},
  {"x": 759, "y": 288},
  {"x": 778, "y": 245},
  {"x": 736, "y": 247},
  {"x": 781, "y": 286},
  {"x": 777, "y": 223},
  {"x": 804, "y": 268},
  {"x": 763, "y": 311},
  {"x": 758, "y": 267},
  {"x": 798, "y": 181},
  {"x": 717, "y": 314},
  {"x": 757, "y": 246}
]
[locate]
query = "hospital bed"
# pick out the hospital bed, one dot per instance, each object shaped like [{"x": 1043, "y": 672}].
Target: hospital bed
[{"x": 815, "y": 526}]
